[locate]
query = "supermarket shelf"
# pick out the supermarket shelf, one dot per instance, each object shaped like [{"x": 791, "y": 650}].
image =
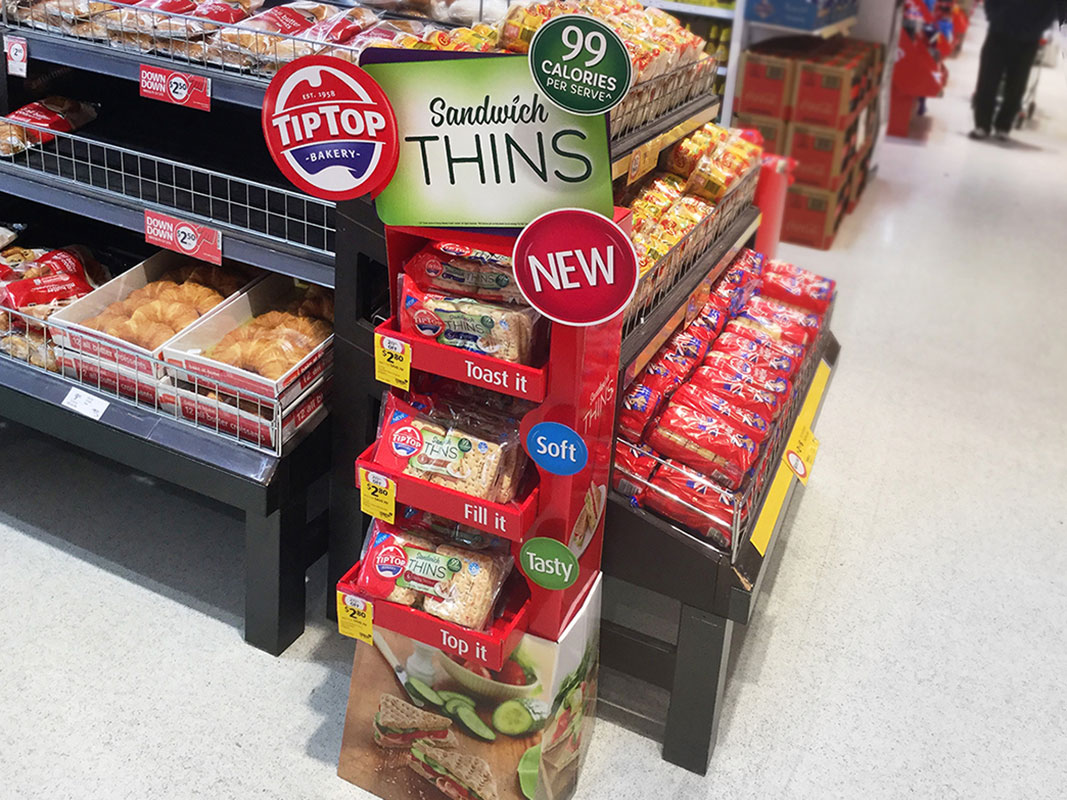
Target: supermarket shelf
[
  {"x": 842, "y": 26},
  {"x": 128, "y": 213},
  {"x": 639, "y": 346},
  {"x": 692, "y": 10},
  {"x": 227, "y": 86},
  {"x": 668, "y": 129}
]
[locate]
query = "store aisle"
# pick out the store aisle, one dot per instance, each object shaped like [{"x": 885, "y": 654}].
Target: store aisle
[{"x": 912, "y": 643}]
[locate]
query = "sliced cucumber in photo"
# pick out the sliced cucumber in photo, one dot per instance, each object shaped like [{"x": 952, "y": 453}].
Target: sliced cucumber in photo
[
  {"x": 472, "y": 723},
  {"x": 423, "y": 691},
  {"x": 446, "y": 695},
  {"x": 528, "y": 768},
  {"x": 520, "y": 717}
]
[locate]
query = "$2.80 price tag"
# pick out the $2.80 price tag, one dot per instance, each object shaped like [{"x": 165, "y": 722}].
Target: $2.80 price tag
[
  {"x": 377, "y": 496},
  {"x": 188, "y": 238},
  {"x": 355, "y": 617},
  {"x": 392, "y": 361},
  {"x": 800, "y": 454}
]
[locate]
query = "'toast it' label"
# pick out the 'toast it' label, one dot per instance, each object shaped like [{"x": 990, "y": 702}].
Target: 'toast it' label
[
  {"x": 330, "y": 129},
  {"x": 576, "y": 267},
  {"x": 556, "y": 448},
  {"x": 548, "y": 563},
  {"x": 179, "y": 88}
]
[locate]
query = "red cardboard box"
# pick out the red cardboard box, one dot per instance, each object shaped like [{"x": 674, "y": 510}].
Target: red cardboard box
[
  {"x": 765, "y": 85},
  {"x": 823, "y": 155},
  {"x": 829, "y": 92},
  {"x": 773, "y": 130},
  {"x": 812, "y": 216}
]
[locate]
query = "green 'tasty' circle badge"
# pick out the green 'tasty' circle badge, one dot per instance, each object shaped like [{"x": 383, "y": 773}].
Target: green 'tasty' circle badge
[
  {"x": 548, "y": 563},
  {"x": 580, "y": 64}
]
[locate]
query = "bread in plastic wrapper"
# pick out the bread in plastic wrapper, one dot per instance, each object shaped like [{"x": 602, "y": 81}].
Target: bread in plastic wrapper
[
  {"x": 456, "y": 269},
  {"x": 54, "y": 113},
  {"x": 206, "y": 51},
  {"x": 740, "y": 392},
  {"x": 75, "y": 10},
  {"x": 434, "y": 449},
  {"x": 267, "y": 35},
  {"x": 693, "y": 501},
  {"x": 698, "y": 398},
  {"x": 507, "y": 332},
  {"x": 388, "y": 553},
  {"x": 639, "y": 405},
  {"x": 467, "y": 594},
  {"x": 634, "y": 465},
  {"x": 757, "y": 332},
  {"x": 756, "y": 353},
  {"x": 731, "y": 366},
  {"x": 811, "y": 293},
  {"x": 710, "y": 444}
]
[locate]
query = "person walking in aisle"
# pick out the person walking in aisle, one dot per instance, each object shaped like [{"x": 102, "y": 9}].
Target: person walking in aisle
[{"x": 1015, "y": 30}]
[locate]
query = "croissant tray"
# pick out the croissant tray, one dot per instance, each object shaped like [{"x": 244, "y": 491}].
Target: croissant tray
[
  {"x": 109, "y": 377},
  {"x": 70, "y": 334},
  {"x": 187, "y": 351}
]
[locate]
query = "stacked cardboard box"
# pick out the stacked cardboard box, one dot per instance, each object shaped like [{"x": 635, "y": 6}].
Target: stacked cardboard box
[{"x": 815, "y": 101}]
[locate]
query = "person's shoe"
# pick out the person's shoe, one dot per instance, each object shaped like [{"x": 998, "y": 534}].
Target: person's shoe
[
  {"x": 979, "y": 134},
  {"x": 1002, "y": 136}
]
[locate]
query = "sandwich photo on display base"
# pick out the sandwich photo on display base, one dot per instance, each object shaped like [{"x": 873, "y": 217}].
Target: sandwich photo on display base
[{"x": 398, "y": 724}]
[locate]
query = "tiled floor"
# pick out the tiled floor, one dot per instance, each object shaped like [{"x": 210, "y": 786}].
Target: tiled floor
[{"x": 913, "y": 642}]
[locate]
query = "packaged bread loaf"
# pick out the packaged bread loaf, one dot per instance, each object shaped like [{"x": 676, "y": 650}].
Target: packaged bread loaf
[
  {"x": 437, "y": 450},
  {"x": 455, "y": 269},
  {"x": 470, "y": 584},
  {"x": 267, "y": 35},
  {"x": 388, "y": 552},
  {"x": 710, "y": 444},
  {"x": 53, "y": 113},
  {"x": 506, "y": 332}
]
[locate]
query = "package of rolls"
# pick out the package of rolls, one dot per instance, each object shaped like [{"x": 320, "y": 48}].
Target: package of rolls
[
  {"x": 129, "y": 319},
  {"x": 273, "y": 341}
]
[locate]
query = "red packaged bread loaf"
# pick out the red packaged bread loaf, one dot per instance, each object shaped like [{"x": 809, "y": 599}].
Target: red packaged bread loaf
[
  {"x": 658, "y": 377},
  {"x": 639, "y": 406},
  {"x": 751, "y": 329},
  {"x": 694, "y": 396},
  {"x": 748, "y": 366},
  {"x": 741, "y": 393},
  {"x": 814, "y": 295},
  {"x": 761, "y": 355},
  {"x": 634, "y": 465},
  {"x": 723, "y": 373},
  {"x": 709, "y": 444},
  {"x": 692, "y": 501}
]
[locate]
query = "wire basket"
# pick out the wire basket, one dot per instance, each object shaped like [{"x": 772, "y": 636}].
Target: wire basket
[
  {"x": 237, "y": 415},
  {"x": 649, "y": 100}
]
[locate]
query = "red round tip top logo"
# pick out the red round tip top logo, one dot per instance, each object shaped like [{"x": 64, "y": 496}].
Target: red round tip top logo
[
  {"x": 576, "y": 267},
  {"x": 330, "y": 128}
]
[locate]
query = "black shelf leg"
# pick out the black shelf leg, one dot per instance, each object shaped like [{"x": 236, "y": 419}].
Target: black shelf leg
[
  {"x": 275, "y": 567},
  {"x": 696, "y": 697}
]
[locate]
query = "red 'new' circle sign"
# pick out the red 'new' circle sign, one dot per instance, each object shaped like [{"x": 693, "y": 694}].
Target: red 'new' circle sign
[
  {"x": 330, "y": 128},
  {"x": 576, "y": 267}
]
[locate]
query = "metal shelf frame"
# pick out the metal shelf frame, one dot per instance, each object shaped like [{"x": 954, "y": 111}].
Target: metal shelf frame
[
  {"x": 842, "y": 26},
  {"x": 280, "y": 543},
  {"x": 710, "y": 594},
  {"x": 692, "y": 10}
]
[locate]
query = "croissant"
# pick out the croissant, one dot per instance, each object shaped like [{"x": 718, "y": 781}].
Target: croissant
[
  {"x": 271, "y": 359},
  {"x": 225, "y": 281},
  {"x": 156, "y": 290}
]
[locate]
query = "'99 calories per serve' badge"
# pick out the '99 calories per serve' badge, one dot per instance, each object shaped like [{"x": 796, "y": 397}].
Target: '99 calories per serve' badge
[{"x": 330, "y": 128}]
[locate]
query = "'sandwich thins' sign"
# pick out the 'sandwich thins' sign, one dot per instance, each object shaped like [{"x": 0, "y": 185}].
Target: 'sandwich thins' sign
[{"x": 481, "y": 146}]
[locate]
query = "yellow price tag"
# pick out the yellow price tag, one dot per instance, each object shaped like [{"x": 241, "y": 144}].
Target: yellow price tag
[
  {"x": 800, "y": 454},
  {"x": 377, "y": 495},
  {"x": 392, "y": 361},
  {"x": 355, "y": 617}
]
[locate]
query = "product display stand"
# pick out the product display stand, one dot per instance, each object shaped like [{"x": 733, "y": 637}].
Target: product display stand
[
  {"x": 655, "y": 570},
  {"x": 261, "y": 225}
]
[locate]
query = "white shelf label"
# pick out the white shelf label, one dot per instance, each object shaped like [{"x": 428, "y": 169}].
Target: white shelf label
[{"x": 86, "y": 404}]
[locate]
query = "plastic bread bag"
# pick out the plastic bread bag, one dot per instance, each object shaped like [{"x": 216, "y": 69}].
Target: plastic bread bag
[
  {"x": 639, "y": 405},
  {"x": 752, "y": 330},
  {"x": 698, "y": 398},
  {"x": 259, "y": 35},
  {"x": 522, "y": 20},
  {"x": 758, "y": 354},
  {"x": 335, "y": 30},
  {"x": 389, "y": 552},
  {"x": 447, "y": 531},
  {"x": 76, "y": 10},
  {"x": 740, "y": 392},
  {"x": 9, "y": 232},
  {"x": 812, "y": 294},
  {"x": 693, "y": 501},
  {"x": 710, "y": 444},
  {"x": 206, "y": 51},
  {"x": 467, "y": 585},
  {"x": 54, "y": 113},
  {"x": 456, "y": 269},
  {"x": 435, "y": 450},
  {"x": 506, "y": 332},
  {"x": 634, "y": 465},
  {"x": 759, "y": 374}
]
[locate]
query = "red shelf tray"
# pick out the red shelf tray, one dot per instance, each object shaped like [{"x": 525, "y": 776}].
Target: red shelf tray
[
  {"x": 508, "y": 521},
  {"x": 517, "y": 380},
  {"x": 490, "y": 647}
]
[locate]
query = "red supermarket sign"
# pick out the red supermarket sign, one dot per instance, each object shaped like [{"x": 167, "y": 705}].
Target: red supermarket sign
[
  {"x": 576, "y": 267},
  {"x": 188, "y": 238},
  {"x": 179, "y": 88},
  {"x": 330, "y": 128}
]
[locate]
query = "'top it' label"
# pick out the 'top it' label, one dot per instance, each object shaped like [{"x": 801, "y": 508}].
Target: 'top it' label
[{"x": 330, "y": 128}]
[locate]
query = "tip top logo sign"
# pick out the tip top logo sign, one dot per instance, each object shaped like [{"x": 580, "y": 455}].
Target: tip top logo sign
[{"x": 330, "y": 129}]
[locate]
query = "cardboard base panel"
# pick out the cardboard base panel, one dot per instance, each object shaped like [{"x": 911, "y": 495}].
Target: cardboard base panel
[{"x": 556, "y": 682}]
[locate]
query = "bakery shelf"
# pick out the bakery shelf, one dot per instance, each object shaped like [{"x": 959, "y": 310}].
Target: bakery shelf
[
  {"x": 486, "y": 372},
  {"x": 489, "y": 648},
  {"x": 227, "y": 86},
  {"x": 262, "y": 225},
  {"x": 643, "y": 335},
  {"x": 506, "y": 520},
  {"x": 842, "y": 26},
  {"x": 692, "y": 10},
  {"x": 649, "y": 140}
]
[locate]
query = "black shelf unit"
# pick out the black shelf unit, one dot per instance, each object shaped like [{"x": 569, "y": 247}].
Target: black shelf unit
[
  {"x": 280, "y": 543},
  {"x": 701, "y": 593}
]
